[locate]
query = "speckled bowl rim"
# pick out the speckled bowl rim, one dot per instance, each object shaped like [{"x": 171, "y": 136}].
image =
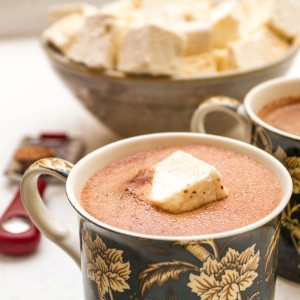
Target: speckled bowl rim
[{"x": 60, "y": 59}]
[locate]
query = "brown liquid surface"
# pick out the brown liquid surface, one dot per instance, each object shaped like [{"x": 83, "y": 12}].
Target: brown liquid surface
[
  {"x": 114, "y": 198},
  {"x": 283, "y": 114}
]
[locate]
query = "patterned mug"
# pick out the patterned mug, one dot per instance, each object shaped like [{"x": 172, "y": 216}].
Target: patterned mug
[
  {"x": 241, "y": 121},
  {"x": 117, "y": 264}
]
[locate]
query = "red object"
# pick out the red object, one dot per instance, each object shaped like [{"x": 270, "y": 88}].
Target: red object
[
  {"x": 49, "y": 135},
  {"x": 25, "y": 241}
]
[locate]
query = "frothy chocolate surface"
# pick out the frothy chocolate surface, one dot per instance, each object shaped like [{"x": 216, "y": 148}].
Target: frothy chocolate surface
[
  {"x": 283, "y": 114},
  {"x": 115, "y": 195}
]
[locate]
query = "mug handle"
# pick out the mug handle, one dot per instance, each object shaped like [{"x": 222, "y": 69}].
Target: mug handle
[
  {"x": 37, "y": 210},
  {"x": 222, "y": 116}
]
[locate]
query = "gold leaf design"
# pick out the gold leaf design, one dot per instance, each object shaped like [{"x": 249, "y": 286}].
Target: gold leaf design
[
  {"x": 212, "y": 293},
  {"x": 52, "y": 163},
  {"x": 246, "y": 255},
  {"x": 117, "y": 282},
  {"x": 292, "y": 162},
  {"x": 204, "y": 285},
  {"x": 251, "y": 264},
  {"x": 262, "y": 140},
  {"x": 293, "y": 165},
  {"x": 231, "y": 257},
  {"x": 270, "y": 251},
  {"x": 291, "y": 222},
  {"x": 194, "y": 248},
  {"x": 231, "y": 275},
  {"x": 161, "y": 272},
  {"x": 246, "y": 280},
  {"x": 280, "y": 154},
  {"x": 105, "y": 266},
  {"x": 229, "y": 291},
  {"x": 212, "y": 266}
]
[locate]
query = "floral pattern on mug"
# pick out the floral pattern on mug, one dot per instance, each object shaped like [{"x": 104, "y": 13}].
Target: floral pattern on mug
[
  {"x": 207, "y": 269},
  {"x": 289, "y": 219},
  {"x": 293, "y": 166},
  {"x": 219, "y": 277},
  {"x": 105, "y": 266}
]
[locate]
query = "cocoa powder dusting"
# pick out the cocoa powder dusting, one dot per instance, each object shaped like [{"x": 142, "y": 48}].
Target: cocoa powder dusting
[{"x": 117, "y": 194}]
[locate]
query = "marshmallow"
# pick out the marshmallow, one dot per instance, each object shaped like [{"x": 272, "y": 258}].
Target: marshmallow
[
  {"x": 182, "y": 183},
  {"x": 280, "y": 15},
  {"x": 198, "y": 35},
  {"x": 222, "y": 59},
  {"x": 195, "y": 10},
  {"x": 173, "y": 37},
  {"x": 285, "y": 18},
  {"x": 60, "y": 11},
  {"x": 187, "y": 11},
  {"x": 122, "y": 9},
  {"x": 188, "y": 17},
  {"x": 198, "y": 64},
  {"x": 97, "y": 43},
  {"x": 258, "y": 49},
  {"x": 255, "y": 14},
  {"x": 151, "y": 49},
  {"x": 62, "y": 33},
  {"x": 152, "y": 8},
  {"x": 226, "y": 23}
]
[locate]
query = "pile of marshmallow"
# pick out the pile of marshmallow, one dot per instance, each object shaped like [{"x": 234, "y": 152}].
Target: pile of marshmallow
[{"x": 178, "y": 38}]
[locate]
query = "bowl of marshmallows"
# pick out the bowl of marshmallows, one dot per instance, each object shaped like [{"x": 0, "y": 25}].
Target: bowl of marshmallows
[{"x": 143, "y": 66}]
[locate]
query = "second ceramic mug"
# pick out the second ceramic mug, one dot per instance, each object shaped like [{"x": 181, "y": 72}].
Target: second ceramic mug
[
  {"x": 229, "y": 117},
  {"x": 119, "y": 264}
]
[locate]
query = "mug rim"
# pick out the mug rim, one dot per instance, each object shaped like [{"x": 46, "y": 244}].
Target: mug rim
[
  {"x": 254, "y": 117},
  {"x": 205, "y": 139}
]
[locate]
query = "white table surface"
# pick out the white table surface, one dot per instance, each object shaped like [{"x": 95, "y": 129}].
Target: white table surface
[{"x": 32, "y": 100}]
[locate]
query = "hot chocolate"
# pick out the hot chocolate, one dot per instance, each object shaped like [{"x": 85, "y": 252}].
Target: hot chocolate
[
  {"x": 115, "y": 195},
  {"x": 283, "y": 114}
]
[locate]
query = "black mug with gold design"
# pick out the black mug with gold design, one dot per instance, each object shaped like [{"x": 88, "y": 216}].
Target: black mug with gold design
[
  {"x": 270, "y": 119},
  {"x": 240, "y": 263}
]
